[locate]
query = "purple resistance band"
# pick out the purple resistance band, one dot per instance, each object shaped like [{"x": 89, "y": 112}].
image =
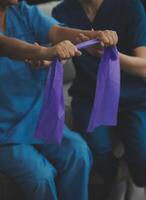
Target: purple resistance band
[{"x": 105, "y": 106}]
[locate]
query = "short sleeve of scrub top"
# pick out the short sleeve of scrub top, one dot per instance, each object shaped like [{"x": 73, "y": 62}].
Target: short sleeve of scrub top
[
  {"x": 22, "y": 87},
  {"x": 136, "y": 24},
  {"x": 39, "y": 22}
]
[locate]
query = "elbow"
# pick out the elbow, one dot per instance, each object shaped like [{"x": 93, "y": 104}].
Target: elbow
[
  {"x": 54, "y": 34},
  {"x": 142, "y": 73}
]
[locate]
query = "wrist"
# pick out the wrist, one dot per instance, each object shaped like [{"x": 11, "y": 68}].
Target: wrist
[
  {"x": 94, "y": 34},
  {"x": 45, "y": 53}
]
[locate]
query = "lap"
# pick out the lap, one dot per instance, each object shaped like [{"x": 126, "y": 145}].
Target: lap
[
  {"x": 131, "y": 128},
  {"x": 22, "y": 162},
  {"x": 73, "y": 145},
  {"x": 99, "y": 140}
]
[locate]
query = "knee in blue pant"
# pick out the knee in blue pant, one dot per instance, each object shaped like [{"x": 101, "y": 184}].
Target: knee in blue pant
[
  {"x": 78, "y": 153},
  {"x": 31, "y": 170},
  {"x": 40, "y": 184}
]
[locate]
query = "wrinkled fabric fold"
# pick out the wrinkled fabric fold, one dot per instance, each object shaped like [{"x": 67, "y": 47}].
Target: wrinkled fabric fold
[
  {"x": 106, "y": 101},
  {"x": 105, "y": 108},
  {"x": 51, "y": 119}
]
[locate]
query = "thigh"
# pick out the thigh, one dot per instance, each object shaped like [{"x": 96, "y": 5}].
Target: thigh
[
  {"x": 99, "y": 140},
  {"x": 72, "y": 147},
  {"x": 132, "y": 129},
  {"x": 24, "y": 163}
]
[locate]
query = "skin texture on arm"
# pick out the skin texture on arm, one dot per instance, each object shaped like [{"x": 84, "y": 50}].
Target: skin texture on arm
[
  {"x": 57, "y": 34},
  {"x": 9, "y": 47},
  {"x": 20, "y": 50},
  {"x": 135, "y": 64}
]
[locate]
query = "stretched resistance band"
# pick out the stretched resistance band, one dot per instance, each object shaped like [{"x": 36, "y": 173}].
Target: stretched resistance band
[{"x": 105, "y": 107}]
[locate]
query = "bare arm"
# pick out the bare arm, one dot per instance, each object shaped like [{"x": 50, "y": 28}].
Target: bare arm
[
  {"x": 135, "y": 64},
  {"x": 57, "y": 34},
  {"x": 20, "y": 50}
]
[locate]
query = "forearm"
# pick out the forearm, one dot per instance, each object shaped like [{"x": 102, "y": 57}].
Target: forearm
[
  {"x": 20, "y": 50},
  {"x": 134, "y": 65},
  {"x": 58, "y": 34}
]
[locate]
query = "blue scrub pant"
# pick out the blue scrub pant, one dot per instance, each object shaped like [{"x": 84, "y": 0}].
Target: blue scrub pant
[
  {"x": 34, "y": 168},
  {"x": 132, "y": 131}
]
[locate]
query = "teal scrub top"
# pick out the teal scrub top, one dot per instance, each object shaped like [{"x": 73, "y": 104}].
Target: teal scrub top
[{"x": 21, "y": 87}]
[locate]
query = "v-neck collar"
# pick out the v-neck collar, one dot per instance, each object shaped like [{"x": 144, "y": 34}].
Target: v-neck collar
[{"x": 99, "y": 13}]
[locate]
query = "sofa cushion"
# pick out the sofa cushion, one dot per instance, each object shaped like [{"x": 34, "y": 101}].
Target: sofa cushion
[
  {"x": 69, "y": 72},
  {"x": 47, "y": 7}
]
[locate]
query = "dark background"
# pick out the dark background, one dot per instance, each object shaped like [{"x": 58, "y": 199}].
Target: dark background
[
  {"x": 37, "y": 1},
  {"x": 144, "y": 3},
  {"x": 43, "y": 1}
]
